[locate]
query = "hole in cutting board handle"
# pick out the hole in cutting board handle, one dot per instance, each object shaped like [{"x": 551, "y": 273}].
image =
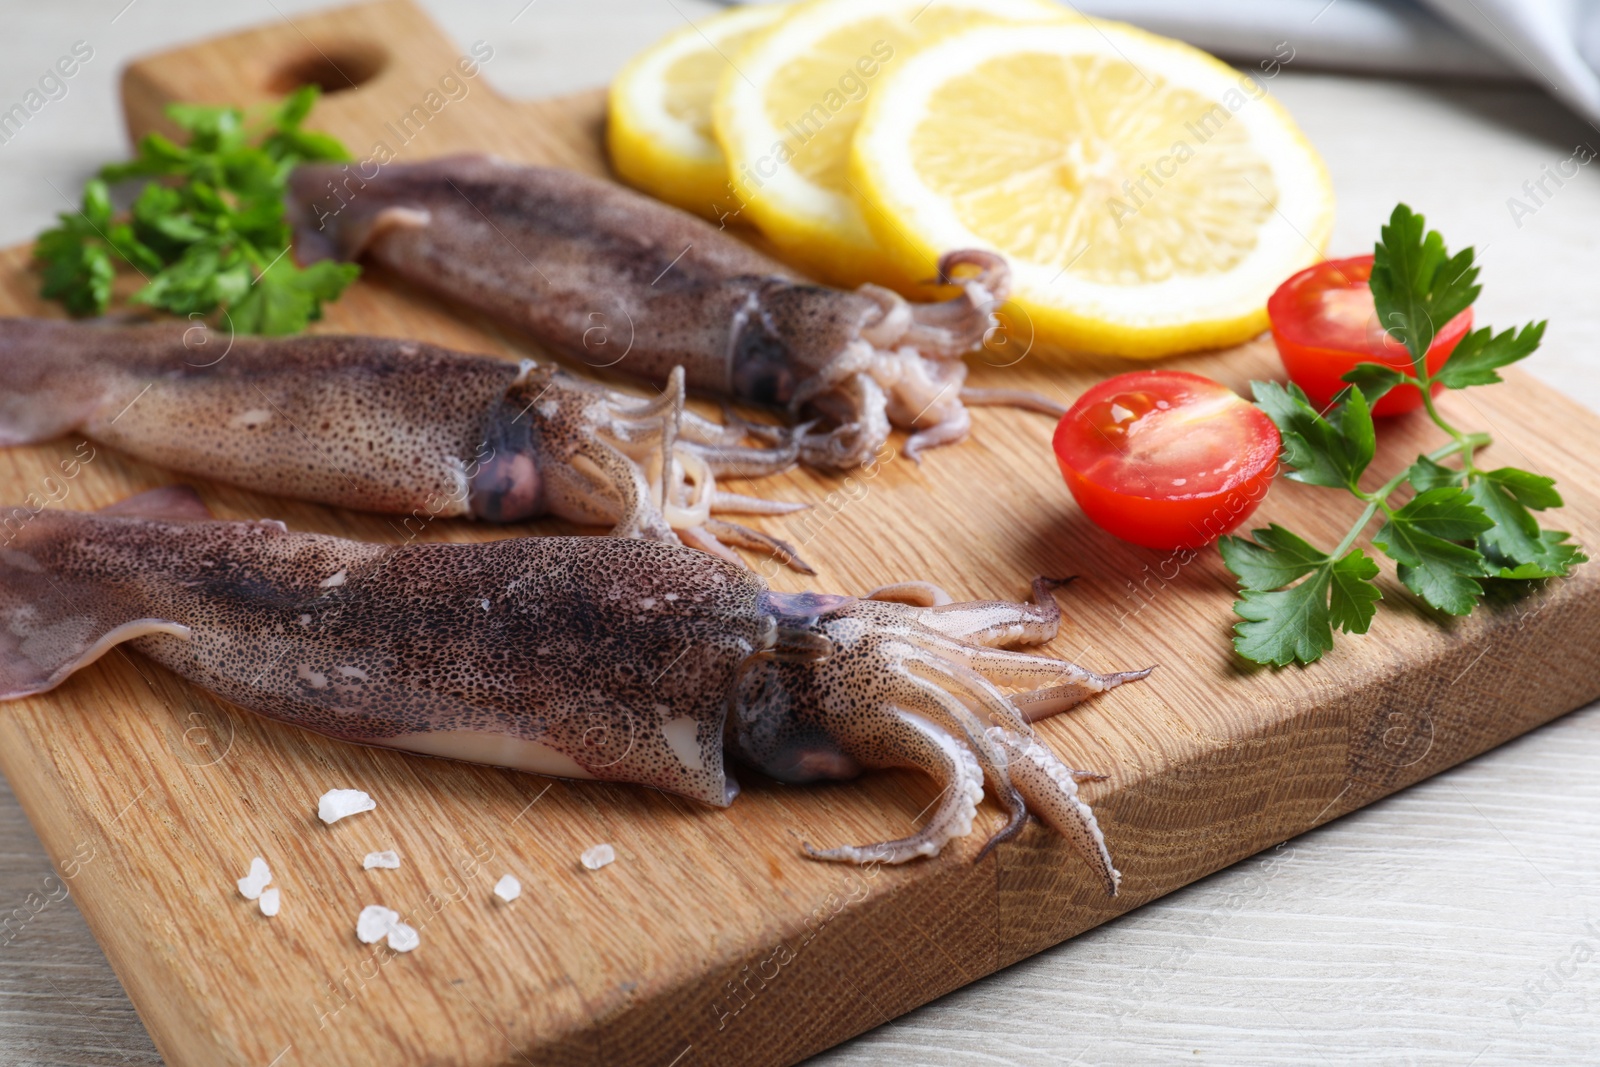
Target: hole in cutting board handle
[{"x": 332, "y": 69}]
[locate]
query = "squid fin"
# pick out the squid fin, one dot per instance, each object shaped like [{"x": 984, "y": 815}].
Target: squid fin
[
  {"x": 169, "y": 503},
  {"x": 53, "y": 621},
  {"x": 327, "y": 227},
  {"x": 45, "y": 394}
]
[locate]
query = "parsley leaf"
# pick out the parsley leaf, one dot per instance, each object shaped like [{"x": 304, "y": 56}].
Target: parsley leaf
[
  {"x": 1354, "y": 597},
  {"x": 1422, "y": 538},
  {"x": 1329, "y": 451},
  {"x": 1296, "y": 623},
  {"x": 1425, "y": 474},
  {"x": 1373, "y": 379},
  {"x": 1416, "y": 285},
  {"x": 1444, "y": 512},
  {"x": 1446, "y": 578},
  {"x": 1477, "y": 356},
  {"x": 76, "y": 267},
  {"x": 1515, "y": 543},
  {"x": 1557, "y": 558},
  {"x": 1287, "y": 625},
  {"x": 76, "y": 270},
  {"x": 1274, "y": 559},
  {"x": 284, "y": 298},
  {"x": 1530, "y": 490},
  {"x": 207, "y": 229}
]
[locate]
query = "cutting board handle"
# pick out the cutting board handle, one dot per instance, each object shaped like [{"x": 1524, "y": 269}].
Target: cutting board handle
[
  {"x": 374, "y": 54},
  {"x": 390, "y": 77}
]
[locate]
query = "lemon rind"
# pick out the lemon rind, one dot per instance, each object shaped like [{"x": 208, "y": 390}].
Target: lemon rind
[{"x": 653, "y": 150}]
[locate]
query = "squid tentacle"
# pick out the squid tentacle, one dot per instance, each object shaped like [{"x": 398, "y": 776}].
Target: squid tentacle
[
  {"x": 852, "y": 359},
  {"x": 952, "y": 327},
  {"x": 733, "y": 428},
  {"x": 738, "y": 504},
  {"x": 643, "y": 446},
  {"x": 671, "y": 418},
  {"x": 761, "y": 431},
  {"x": 1023, "y": 670},
  {"x": 851, "y": 442},
  {"x": 1047, "y": 786},
  {"x": 901, "y": 653},
  {"x": 609, "y": 469},
  {"x": 929, "y": 699},
  {"x": 703, "y": 431},
  {"x": 976, "y": 688},
  {"x": 641, "y": 409},
  {"x": 911, "y": 741},
  {"x": 688, "y": 489},
  {"x": 1042, "y": 703},
  {"x": 1013, "y": 398},
  {"x": 1050, "y": 788},
  {"x": 699, "y": 537},
  {"x": 916, "y": 594},
  {"x": 742, "y": 461},
  {"x": 1000, "y": 622},
  {"x": 1051, "y": 681},
  {"x": 720, "y": 447},
  {"x": 743, "y": 536},
  {"x": 951, "y": 430}
]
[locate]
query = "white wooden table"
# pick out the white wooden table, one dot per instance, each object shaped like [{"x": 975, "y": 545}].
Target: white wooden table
[{"x": 1456, "y": 923}]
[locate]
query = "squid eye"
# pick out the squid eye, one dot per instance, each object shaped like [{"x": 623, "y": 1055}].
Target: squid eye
[{"x": 505, "y": 488}]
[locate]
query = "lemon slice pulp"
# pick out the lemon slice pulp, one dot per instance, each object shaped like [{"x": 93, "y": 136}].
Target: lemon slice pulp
[{"x": 1148, "y": 197}]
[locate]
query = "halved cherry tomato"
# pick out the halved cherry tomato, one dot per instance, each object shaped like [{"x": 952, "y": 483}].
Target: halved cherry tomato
[
  {"x": 1165, "y": 458},
  {"x": 1324, "y": 323}
]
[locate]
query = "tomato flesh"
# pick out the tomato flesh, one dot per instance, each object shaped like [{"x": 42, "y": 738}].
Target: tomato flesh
[
  {"x": 1324, "y": 323},
  {"x": 1165, "y": 458}
]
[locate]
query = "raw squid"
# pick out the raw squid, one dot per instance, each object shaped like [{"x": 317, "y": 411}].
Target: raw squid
[
  {"x": 616, "y": 279},
  {"x": 580, "y": 657},
  {"x": 390, "y": 426}
]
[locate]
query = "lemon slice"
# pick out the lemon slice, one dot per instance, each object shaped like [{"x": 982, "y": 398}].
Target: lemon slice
[
  {"x": 1148, "y": 197},
  {"x": 659, "y": 112},
  {"x": 786, "y": 111}
]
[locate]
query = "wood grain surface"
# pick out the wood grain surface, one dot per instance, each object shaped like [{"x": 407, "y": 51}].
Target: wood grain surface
[{"x": 710, "y": 935}]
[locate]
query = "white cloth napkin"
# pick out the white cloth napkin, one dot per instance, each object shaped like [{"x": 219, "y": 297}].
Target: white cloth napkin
[{"x": 1553, "y": 43}]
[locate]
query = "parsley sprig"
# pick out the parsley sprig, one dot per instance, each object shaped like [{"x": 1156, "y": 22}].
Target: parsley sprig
[
  {"x": 1462, "y": 527},
  {"x": 207, "y": 227}
]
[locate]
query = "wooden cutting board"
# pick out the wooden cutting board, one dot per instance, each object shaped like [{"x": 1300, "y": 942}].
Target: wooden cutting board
[{"x": 711, "y": 940}]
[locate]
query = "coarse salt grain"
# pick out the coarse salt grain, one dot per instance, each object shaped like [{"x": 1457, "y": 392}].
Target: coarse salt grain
[
  {"x": 336, "y": 804},
  {"x": 403, "y": 938},
  {"x": 508, "y": 888},
  {"x": 389, "y": 859},
  {"x": 374, "y": 923},
  {"x": 598, "y": 856},
  {"x": 251, "y": 885},
  {"x": 270, "y": 900}
]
